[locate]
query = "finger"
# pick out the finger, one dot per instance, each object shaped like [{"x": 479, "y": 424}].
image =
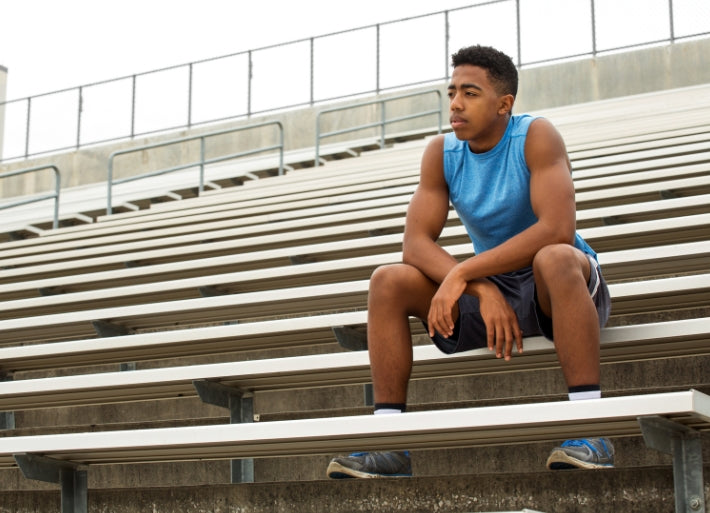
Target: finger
[
  {"x": 447, "y": 323},
  {"x": 430, "y": 323},
  {"x": 490, "y": 336},
  {"x": 519, "y": 340},
  {"x": 435, "y": 322},
  {"x": 509, "y": 341},
  {"x": 500, "y": 342}
]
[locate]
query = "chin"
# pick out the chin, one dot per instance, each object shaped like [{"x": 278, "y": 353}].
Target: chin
[{"x": 461, "y": 135}]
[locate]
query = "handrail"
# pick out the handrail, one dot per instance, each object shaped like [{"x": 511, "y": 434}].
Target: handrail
[
  {"x": 71, "y": 131},
  {"x": 382, "y": 123},
  {"x": 202, "y": 161},
  {"x": 55, "y": 195}
]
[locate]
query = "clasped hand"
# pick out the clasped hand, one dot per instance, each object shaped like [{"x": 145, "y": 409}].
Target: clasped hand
[{"x": 502, "y": 328}]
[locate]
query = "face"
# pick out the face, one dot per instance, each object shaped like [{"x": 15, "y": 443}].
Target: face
[{"x": 477, "y": 112}]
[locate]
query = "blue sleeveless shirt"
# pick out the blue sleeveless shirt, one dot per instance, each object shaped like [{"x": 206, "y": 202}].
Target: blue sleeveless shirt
[{"x": 491, "y": 191}]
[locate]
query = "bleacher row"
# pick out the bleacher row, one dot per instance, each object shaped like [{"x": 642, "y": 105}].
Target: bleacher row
[{"x": 124, "y": 340}]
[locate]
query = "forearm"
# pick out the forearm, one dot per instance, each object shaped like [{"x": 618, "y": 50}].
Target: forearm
[
  {"x": 429, "y": 257},
  {"x": 516, "y": 253},
  {"x": 436, "y": 263}
]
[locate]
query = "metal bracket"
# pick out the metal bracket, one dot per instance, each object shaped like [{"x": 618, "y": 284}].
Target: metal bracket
[
  {"x": 7, "y": 418},
  {"x": 302, "y": 259},
  {"x": 610, "y": 220},
  {"x": 71, "y": 477},
  {"x": 668, "y": 194},
  {"x": 240, "y": 404},
  {"x": 49, "y": 291},
  {"x": 211, "y": 291},
  {"x": 350, "y": 338},
  {"x": 684, "y": 444},
  {"x": 110, "y": 329}
]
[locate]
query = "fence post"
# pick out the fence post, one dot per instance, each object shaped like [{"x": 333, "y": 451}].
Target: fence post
[
  {"x": 189, "y": 97},
  {"x": 133, "y": 108},
  {"x": 27, "y": 127},
  {"x": 78, "y": 117}
]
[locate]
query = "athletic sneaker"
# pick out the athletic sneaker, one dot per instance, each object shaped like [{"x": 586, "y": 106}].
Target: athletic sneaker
[
  {"x": 371, "y": 464},
  {"x": 584, "y": 453}
]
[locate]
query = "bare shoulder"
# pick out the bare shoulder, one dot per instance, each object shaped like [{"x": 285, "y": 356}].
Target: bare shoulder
[
  {"x": 432, "y": 165},
  {"x": 435, "y": 148},
  {"x": 544, "y": 144},
  {"x": 543, "y": 131}
]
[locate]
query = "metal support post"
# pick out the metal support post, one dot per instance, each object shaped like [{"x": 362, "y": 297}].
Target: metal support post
[
  {"x": 684, "y": 444},
  {"x": 7, "y": 418},
  {"x": 351, "y": 338},
  {"x": 71, "y": 477},
  {"x": 240, "y": 404}
]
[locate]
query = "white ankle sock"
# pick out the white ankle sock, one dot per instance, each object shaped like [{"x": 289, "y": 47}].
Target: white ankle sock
[
  {"x": 387, "y": 411},
  {"x": 587, "y": 394}
]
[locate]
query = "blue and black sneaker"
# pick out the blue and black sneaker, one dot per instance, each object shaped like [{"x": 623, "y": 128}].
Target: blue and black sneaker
[
  {"x": 589, "y": 453},
  {"x": 371, "y": 464}
]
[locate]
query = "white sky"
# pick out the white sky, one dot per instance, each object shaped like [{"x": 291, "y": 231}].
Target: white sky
[{"x": 48, "y": 45}]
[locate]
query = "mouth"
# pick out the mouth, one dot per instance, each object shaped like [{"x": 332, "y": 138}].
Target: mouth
[{"x": 457, "y": 122}]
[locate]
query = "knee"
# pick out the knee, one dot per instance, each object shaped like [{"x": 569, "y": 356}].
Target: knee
[
  {"x": 556, "y": 261},
  {"x": 387, "y": 278}
]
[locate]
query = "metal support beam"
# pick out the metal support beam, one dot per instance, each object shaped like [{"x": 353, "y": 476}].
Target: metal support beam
[
  {"x": 368, "y": 394},
  {"x": 7, "y": 418},
  {"x": 684, "y": 444},
  {"x": 110, "y": 329},
  {"x": 354, "y": 339},
  {"x": 211, "y": 291},
  {"x": 71, "y": 477},
  {"x": 240, "y": 404}
]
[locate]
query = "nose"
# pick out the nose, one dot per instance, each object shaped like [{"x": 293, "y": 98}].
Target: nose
[{"x": 454, "y": 101}]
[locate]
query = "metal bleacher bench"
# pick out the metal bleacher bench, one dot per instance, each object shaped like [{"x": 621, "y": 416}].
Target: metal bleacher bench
[
  {"x": 235, "y": 210},
  {"x": 22, "y": 321},
  {"x": 232, "y": 215},
  {"x": 637, "y": 263},
  {"x": 669, "y": 422},
  {"x": 19, "y": 263}
]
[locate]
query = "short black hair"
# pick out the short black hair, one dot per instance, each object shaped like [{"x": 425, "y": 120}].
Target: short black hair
[{"x": 500, "y": 68}]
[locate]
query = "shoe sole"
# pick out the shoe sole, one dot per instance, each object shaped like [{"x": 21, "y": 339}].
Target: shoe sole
[
  {"x": 338, "y": 471},
  {"x": 560, "y": 460}
]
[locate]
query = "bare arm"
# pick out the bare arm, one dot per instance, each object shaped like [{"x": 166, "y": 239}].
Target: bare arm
[{"x": 426, "y": 216}]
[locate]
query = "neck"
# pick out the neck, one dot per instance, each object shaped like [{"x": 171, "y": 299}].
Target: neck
[{"x": 492, "y": 137}]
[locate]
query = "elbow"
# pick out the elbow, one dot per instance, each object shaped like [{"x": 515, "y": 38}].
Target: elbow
[
  {"x": 411, "y": 251},
  {"x": 561, "y": 233},
  {"x": 408, "y": 254}
]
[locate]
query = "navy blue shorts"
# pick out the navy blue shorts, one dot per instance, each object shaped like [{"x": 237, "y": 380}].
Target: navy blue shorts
[{"x": 519, "y": 290}]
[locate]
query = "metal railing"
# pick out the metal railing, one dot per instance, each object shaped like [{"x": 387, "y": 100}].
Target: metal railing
[
  {"x": 42, "y": 197},
  {"x": 382, "y": 122},
  {"x": 201, "y": 162},
  {"x": 372, "y": 57}
]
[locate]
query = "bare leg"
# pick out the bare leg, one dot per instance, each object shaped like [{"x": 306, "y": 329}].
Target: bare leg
[
  {"x": 561, "y": 275},
  {"x": 396, "y": 292}
]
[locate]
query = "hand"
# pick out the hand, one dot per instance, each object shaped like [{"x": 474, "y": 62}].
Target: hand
[
  {"x": 502, "y": 326},
  {"x": 441, "y": 315}
]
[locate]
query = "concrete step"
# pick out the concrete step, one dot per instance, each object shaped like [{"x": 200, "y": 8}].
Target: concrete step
[{"x": 608, "y": 491}]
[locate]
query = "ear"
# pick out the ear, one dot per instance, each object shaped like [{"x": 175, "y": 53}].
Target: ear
[{"x": 505, "y": 104}]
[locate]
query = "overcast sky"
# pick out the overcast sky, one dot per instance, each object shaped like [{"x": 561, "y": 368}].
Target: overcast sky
[{"x": 48, "y": 45}]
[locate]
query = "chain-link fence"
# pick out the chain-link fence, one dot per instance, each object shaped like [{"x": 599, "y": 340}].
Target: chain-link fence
[{"x": 362, "y": 61}]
